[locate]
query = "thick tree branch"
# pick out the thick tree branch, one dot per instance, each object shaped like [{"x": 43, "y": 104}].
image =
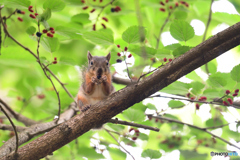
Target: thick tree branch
[{"x": 125, "y": 98}]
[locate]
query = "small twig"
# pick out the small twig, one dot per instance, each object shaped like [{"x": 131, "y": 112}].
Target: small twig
[
  {"x": 143, "y": 75},
  {"x": 127, "y": 68},
  {"x": 221, "y": 126},
  {"x": 164, "y": 24},
  {"x": 193, "y": 126},
  {"x": 10, "y": 128},
  {"x": 14, "y": 127},
  {"x": 102, "y": 8},
  {"x": 205, "y": 32},
  {"x": 44, "y": 66},
  {"x": 185, "y": 99},
  {"x": 119, "y": 143},
  {"x": 116, "y": 121}
]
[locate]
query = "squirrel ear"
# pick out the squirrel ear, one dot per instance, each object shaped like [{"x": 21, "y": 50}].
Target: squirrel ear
[
  {"x": 108, "y": 56},
  {"x": 89, "y": 56}
]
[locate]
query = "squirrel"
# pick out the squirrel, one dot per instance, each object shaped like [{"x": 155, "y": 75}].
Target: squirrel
[{"x": 97, "y": 82}]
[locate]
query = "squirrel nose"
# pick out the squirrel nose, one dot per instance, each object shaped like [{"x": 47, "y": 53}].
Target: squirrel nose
[{"x": 99, "y": 73}]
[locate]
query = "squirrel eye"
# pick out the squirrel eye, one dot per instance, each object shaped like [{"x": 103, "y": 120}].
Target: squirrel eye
[
  {"x": 107, "y": 63},
  {"x": 91, "y": 63}
]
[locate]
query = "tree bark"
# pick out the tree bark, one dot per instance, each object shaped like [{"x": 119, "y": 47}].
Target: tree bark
[{"x": 134, "y": 93}]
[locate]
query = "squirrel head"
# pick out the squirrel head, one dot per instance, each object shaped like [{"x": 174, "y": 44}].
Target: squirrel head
[{"x": 98, "y": 66}]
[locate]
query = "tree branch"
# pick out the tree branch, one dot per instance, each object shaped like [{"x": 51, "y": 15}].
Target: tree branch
[
  {"x": 192, "y": 126},
  {"x": 10, "y": 128},
  {"x": 119, "y": 101},
  {"x": 116, "y": 121}
]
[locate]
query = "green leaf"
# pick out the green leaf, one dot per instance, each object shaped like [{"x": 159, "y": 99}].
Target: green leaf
[
  {"x": 82, "y": 18},
  {"x": 89, "y": 152},
  {"x": 217, "y": 80},
  {"x": 212, "y": 93},
  {"x": 162, "y": 53},
  {"x": 31, "y": 30},
  {"x": 214, "y": 122},
  {"x": 180, "y": 15},
  {"x": 212, "y": 67},
  {"x": 54, "y": 5},
  {"x": 138, "y": 50},
  {"x": 181, "y": 30},
  {"x": 152, "y": 154},
  {"x": 172, "y": 46},
  {"x": 45, "y": 15},
  {"x": 131, "y": 35},
  {"x": 180, "y": 50},
  {"x": 143, "y": 137},
  {"x": 115, "y": 127},
  {"x": 196, "y": 87},
  {"x": 102, "y": 37},
  {"x": 151, "y": 106},
  {"x": 192, "y": 155},
  {"x": 235, "y": 73},
  {"x": 177, "y": 88},
  {"x": 68, "y": 32},
  {"x": 50, "y": 44},
  {"x": 134, "y": 115},
  {"x": 116, "y": 153},
  {"x": 194, "y": 76},
  {"x": 20, "y": 4},
  {"x": 68, "y": 61},
  {"x": 175, "y": 104}
]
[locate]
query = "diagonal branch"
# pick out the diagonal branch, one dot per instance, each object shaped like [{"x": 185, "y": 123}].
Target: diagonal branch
[
  {"x": 121, "y": 100},
  {"x": 10, "y": 128},
  {"x": 196, "y": 127}
]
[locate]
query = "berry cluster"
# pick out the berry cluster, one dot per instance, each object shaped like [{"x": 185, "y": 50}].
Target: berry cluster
[
  {"x": 20, "y": 12},
  {"x": 206, "y": 141},
  {"x": 55, "y": 60},
  {"x": 156, "y": 119},
  {"x": 172, "y": 141},
  {"x": 165, "y": 59},
  {"x": 165, "y": 5},
  {"x": 229, "y": 100},
  {"x": 50, "y": 33},
  {"x": 202, "y": 99},
  {"x": 136, "y": 133},
  {"x": 30, "y": 8},
  {"x": 119, "y": 54}
]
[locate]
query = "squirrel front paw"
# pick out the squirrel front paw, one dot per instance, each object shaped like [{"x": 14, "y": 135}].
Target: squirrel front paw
[
  {"x": 95, "y": 80},
  {"x": 104, "y": 78},
  {"x": 85, "y": 107}
]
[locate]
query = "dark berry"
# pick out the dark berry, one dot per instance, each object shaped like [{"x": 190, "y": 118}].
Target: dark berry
[
  {"x": 94, "y": 27},
  {"x": 36, "y": 14},
  {"x": 119, "y": 60},
  {"x": 92, "y": 10},
  {"x": 51, "y": 28},
  {"x": 182, "y": 2},
  {"x": 150, "y": 118},
  {"x": 54, "y": 62},
  {"x": 100, "y": 1},
  {"x": 41, "y": 96},
  {"x": 20, "y": 19},
  {"x": 117, "y": 9},
  {"x": 225, "y": 103},
  {"x": 230, "y": 101},
  {"x": 19, "y": 11},
  {"x": 170, "y": 60},
  {"x": 38, "y": 34},
  {"x": 130, "y": 55},
  {"x": 118, "y": 46},
  {"x": 105, "y": 19},
  {"x": 30, "y": 7},
  {"x": 197, "y": 106},
  {"x": 156, "y": 120},
  {"x": 125, "y": 49},
  {"x": 170, "y": 7},
  {"x": 235, "y": 94},
  {"x": 186, "y": 4},
  {"x": 131, "y": 129},
  {"x": 167, "y": 1},
  {"x": 112, "y": 9},
  {"x": 165, "y": 59},
  {"x": 49, "y": 35},
  {"x": 137, "y": 134},
  {"x": 32, "y": 16},
  {"x": 237, "y": 90},
  {"x": 162, "y": 3},
  {"x": 136, "y": 130},
  {"x": 22, "y": 12},
  {"x": 119, "y": 54},
  {"x": 84, "y": 8},
  {"x": 227, "y": 91},
  {"x": 176, "y": 4},
  {"x": 82, "y": 1},
  {"x": 104, "y": 26},
  {"x": 52, "y": 31},
  {"x": 162, "y": 9},
  {"x": 188, "y": 95},
  {"x": 192, "y": 98},
  {"x": 55, "y": 58},
  {"x": 134, "y": 138},
  {"x": 44, "y": 31}
]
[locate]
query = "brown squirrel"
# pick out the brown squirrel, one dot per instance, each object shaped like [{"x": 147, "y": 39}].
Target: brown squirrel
[{"x": 97, "y": 82}]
